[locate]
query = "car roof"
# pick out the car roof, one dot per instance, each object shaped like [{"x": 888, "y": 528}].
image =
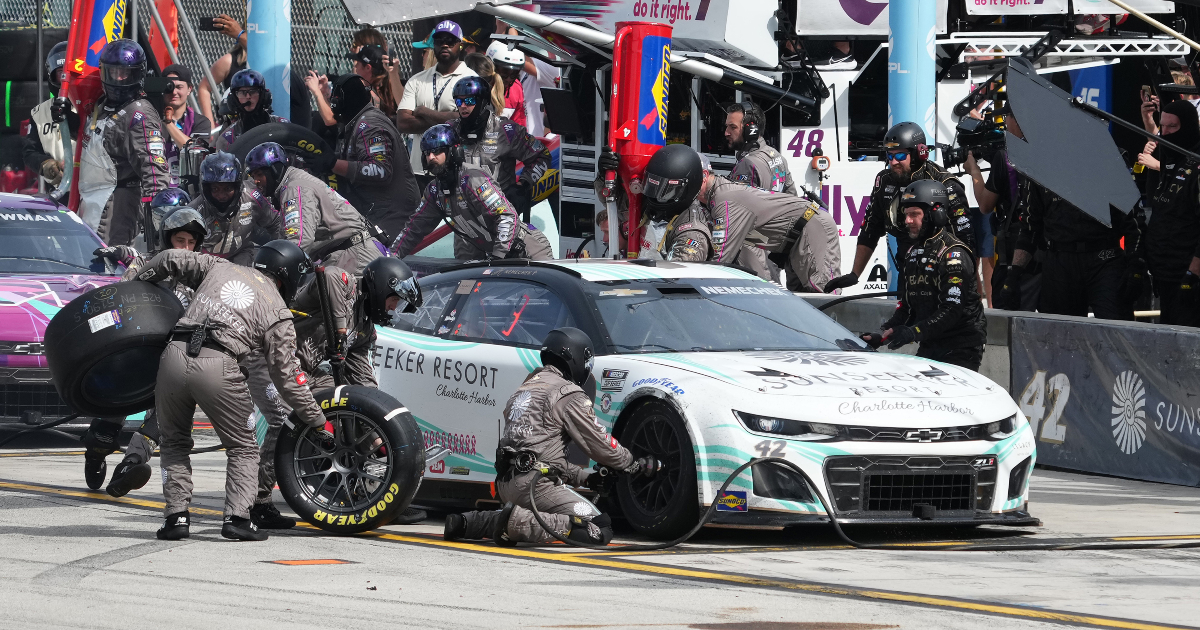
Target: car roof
[
  {"x": 604, "y": 270},
  {"x": 29, "y": 203}
]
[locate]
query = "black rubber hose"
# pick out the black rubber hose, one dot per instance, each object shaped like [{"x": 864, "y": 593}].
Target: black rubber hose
[
  {"x": 837, "y": 527},
  {"x": 848, "y": 298},
  {"x": 40, "y": 427}
]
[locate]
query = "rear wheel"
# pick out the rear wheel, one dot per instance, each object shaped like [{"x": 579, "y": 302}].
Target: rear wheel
[
  {"x": 361, "y": 475},
  {"x": 664, "y": 506}
]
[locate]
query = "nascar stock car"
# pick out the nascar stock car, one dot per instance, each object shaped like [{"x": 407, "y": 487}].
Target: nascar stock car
[
  {"x": 45, "y": 262},
  {"x": 706, "y": 367}
]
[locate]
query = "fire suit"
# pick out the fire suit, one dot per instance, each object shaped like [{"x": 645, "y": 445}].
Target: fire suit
[
  {"x": 236, "y": 311},
  {"x": 1173, "y": 237},
  {"x": 323, "y": 223},
  {"x": 795, "y": 232},
  {"x": 545, "y": 413},
  {"x": 379, "y": 180},
  {"x": 236, "y": 129},
  {"x": 48, "y": 141},
  {"x": 688, "y": 237},
  {"x": 763, "y": 167},
  {"x": 1084, "y": 263},
  {"x": 939, "y": 300},
  {"x": 132, "y": 136},
  {"x": 480, "y": 213},
  {"x": 878, "y": 218},
  {"x": 229, "y": 236},
  {"x": 503, "y": 144},
  {"x": 349, "y": 314}
]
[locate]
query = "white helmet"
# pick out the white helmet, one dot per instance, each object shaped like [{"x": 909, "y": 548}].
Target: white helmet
[
  {"x": 514, "y": 58},
  {"x": 495, "y": 49}
]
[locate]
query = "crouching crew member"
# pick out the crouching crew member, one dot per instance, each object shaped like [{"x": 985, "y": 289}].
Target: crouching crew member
[
  {"x": 477, "y": 209},
  {"x": 547, "y": 411},
  {"x": 236, "y": 311},
  {"x": 939, "y": 303}
]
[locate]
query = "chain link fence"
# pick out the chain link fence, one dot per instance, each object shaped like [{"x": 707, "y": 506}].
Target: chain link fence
[{"x": 321, "y": 31}]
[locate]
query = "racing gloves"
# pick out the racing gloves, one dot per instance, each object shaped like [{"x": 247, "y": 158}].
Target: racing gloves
[
  {"x": 873, "y": 339},
  {"x": 1009, "y": 297},
  {"x": 121, "y": 254},
  {"x": 841, "y": 282},
  {"x": 608, "y": 161},
  {"x": 52, "y": 172},
  {"x": 1189, "y": 290},
  {"x": 646, "y": 466},
  {"x": 901, "y": 336}
]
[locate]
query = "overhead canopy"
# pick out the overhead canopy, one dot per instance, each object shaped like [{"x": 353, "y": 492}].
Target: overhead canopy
[
  {"x": 1065, "y": 149},
  {"x": 377, "y": 12}
]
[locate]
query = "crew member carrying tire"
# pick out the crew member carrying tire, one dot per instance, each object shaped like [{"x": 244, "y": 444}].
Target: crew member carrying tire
[
  {"x": 475, "y": 205},
  {"x": 546, "y": 412},
  {"x": 183, "y": 231},
  {"x": 249, "y": 101},
  {"x": 315, "y": 218},
  {"x": 939, "y": 304},
  {"x": 237, "y": 310}
]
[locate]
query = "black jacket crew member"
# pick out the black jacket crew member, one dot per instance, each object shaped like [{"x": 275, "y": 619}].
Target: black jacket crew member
[
  {"x": 1172, "y": 240},
  {"x": 939, "y": 303}
]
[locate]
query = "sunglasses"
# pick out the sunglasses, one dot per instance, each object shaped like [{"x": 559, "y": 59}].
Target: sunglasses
[
  {"x": 437, "y": 151},
  {"x": 897, "y": 157},
  {"x": 246, "y": 92},
  {"x": 468, "y": 100}
]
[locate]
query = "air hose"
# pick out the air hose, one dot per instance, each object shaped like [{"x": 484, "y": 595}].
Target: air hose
[
  {"x": 53, "y": 423},
  {"x": 837, "y": 527}
]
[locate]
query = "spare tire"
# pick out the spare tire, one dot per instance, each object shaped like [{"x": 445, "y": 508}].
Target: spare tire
[
  {"x": 103, "y": 347},
  {"x": 298, "y": 141},
  {"x": 362, "y": 475}
]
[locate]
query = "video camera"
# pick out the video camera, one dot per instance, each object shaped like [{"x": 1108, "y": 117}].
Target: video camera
[{"x": 972, "y": 135}]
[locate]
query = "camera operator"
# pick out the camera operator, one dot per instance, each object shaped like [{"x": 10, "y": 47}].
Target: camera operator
[
  {"x": 1173, "y": 232},
  {"x": 907, "y": 157},
  {"x": 1084, "y": 265}
]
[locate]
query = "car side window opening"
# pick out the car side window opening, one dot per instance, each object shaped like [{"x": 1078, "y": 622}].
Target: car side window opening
[
  {"x": 50, "y": 245},
  {"x": 510, "y": 312},
  {"x": 428, "y": 317}
]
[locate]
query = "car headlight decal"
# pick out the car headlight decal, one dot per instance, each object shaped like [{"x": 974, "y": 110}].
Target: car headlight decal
[
  {"x": 792, "y": 429},
  {"x": 1001, "y": 429}
]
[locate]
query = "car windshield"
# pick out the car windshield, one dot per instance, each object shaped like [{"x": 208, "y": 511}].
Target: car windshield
[
  {"x": 699, "y": 315},
  {"x": 54, "y": 243}
]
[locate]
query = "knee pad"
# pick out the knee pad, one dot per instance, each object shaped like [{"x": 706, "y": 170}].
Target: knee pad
[
  {"x": 101, "y": 436},
  {"x": 149, "y": 428},
  {"x": 596, "y": 530}
]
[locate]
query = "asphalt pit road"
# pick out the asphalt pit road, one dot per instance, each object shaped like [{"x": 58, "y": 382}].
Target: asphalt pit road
[
  {"x": 303, "y": 563},
  {"x": 789, "y": 625}
]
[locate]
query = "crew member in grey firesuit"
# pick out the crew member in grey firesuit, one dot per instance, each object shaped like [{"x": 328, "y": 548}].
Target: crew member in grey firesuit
[
  {"x": 939, "y": 304},
  {"x": 372, "y": 164},
  {"x": 232, "y": 210},
  {"x": 178, "y": 230},
  {"x": 236, "y": 310},
  {"x": 796, "y": 233},
  {"x": 758, "y": 164},
  {"x": 546, "y": 412},
  {"x": 476, "y": 207},
  {"x": 908, "y": 161},
  {"x": 249, "y": 100},
  {"x": 495, "y": 144},
  {"x": 130, "y": 131},
  {"x": 688, "y": 234},
  {"x": 316, "y": 218}
]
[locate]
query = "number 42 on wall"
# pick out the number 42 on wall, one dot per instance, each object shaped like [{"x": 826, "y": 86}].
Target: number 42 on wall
[{"x": 1036, "y": 398}]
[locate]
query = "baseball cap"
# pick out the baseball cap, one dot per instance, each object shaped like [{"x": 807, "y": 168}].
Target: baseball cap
[
  {"x": 370, "y": 54},
  {"x": 179, "y": 70},
  {"x": 448, "y": 26},
  {"x": 425, "y": 43}
]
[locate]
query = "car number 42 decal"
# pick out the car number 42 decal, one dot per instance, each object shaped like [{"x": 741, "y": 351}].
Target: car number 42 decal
[
  {"x": 1035, "y": 399},
  {"x": 770, "y": 448}
]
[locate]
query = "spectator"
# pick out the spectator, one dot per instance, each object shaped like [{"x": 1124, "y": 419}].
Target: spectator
[
  {"x": 318, "y": 86},
  {"x": 482, "y": 65},
  {"x": 537, "y": 75},
  {"x": 225, "y": 66},
  {"x": 383, "y": 74},
  {"x": 508, "y": 65},
  {"x": 428, "y": 97},
  {"x": 180, "y": 121}
]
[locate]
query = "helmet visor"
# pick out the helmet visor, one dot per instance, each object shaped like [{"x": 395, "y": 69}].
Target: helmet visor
[
  {"x": 662, "y": 190},
  {"x": 410, "y": 292},
  {"x": 122, "y": 76}
]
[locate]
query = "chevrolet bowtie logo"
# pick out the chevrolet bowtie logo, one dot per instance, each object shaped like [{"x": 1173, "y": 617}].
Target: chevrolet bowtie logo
[{"x": 923, "y": 435}]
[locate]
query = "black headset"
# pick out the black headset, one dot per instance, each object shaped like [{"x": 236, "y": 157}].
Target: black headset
[{"x": 752, "y": 120}]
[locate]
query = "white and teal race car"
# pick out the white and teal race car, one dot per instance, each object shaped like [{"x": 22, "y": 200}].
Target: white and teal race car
[{"x": 706, "y": 367}]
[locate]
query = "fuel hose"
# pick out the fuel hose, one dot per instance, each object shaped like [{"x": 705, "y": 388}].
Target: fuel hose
[{"x": 545, "y": 471}]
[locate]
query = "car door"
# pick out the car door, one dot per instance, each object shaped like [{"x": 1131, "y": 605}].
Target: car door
[{"x": 484, "y": 347}]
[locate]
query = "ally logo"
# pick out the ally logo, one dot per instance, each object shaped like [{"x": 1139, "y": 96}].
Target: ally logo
[{"x": 1129, "y": 412}]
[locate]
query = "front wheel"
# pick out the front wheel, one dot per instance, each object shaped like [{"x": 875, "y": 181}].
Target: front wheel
[
  {"x": 358, "y": 473},
  {"x": 663, "y": 506}
]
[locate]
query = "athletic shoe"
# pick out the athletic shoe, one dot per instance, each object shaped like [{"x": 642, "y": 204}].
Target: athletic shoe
[
  {"x": 267, "y": 516},
  {"x": 409, "y": 516},
  {"x": 94, "y": 470},
  {"x": 500, "y": 527},
  {"x": 238, "y": 528},
  {"x": 175, "y": 527},
  {"x": 456, "y": 527},
  {"x": 130, "y": 474},
  {"x": 838, "y": 61}
]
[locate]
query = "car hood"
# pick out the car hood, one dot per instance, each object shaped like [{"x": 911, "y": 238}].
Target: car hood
[{"x": 28, "y": 302}]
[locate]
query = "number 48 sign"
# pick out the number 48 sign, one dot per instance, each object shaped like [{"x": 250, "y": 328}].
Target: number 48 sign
[
  {"x": 1040, "y": 395},
  {"x": 801, "y": 149}
]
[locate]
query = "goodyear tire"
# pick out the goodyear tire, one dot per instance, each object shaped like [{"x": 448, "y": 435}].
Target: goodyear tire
[
  {"x": 663, "y": 506},
  {"x": 361, "y": 478},
  {"x": 296, "y": 140},
  {"x": 103, "y": 347}
]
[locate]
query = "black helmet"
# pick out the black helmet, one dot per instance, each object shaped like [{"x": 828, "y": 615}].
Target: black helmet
[
  {"x": 349, "y": 96},
  {"x": 287, "y": 263},
  {"x": 569, "y": 350},
  {"x": 932, "y": 196},
  {"x": 55, "y": 62},
  {"x": 122, "y": 70},
  {"x": 907, "y": 135},
  {"x": 383, "y": 278},
  {"x": 164, "y": 202},
  {"x": 262, "y": 113},
  {"x": 187, "y": 219},
  {"x": 221, "y": 167},
  {"x": 673, "y": 178},
  {"x": 474, "y": 90}
]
